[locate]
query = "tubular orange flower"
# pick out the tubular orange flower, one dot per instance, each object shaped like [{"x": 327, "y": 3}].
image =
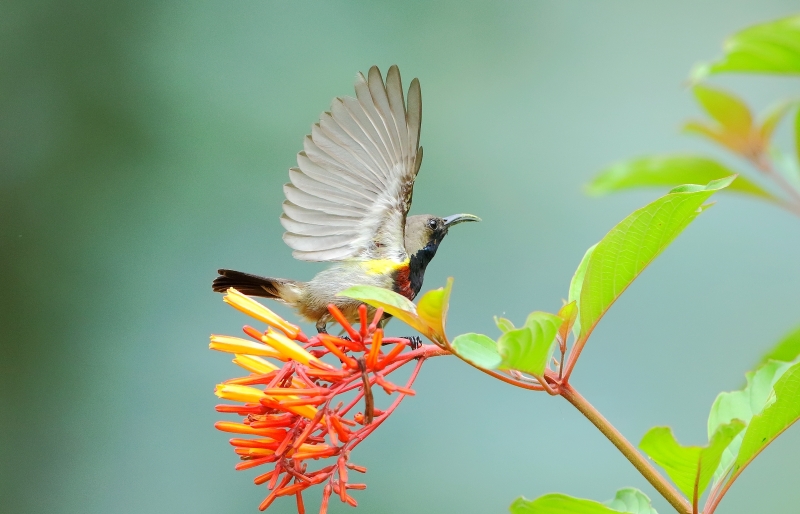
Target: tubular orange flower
[
  {"x": 288, "y": 348},
  {"x": 254, "y": 364},
  {"x": 239, "y": 393},
  {"x": 291, "y": 409},
  {"x": 254, "y": 309},
  {"x": 243, "y": 346}
]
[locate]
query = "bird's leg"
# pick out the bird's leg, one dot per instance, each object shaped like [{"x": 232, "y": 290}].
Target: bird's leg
[
  {"x": 322, "y": 327},
  {"x": 415, "y": 341}
]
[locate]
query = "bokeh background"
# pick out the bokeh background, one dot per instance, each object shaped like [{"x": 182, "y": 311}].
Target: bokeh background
[{"x": 144, "y": 145}]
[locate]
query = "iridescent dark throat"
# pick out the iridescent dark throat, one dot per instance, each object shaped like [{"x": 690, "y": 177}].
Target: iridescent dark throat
[{"x": 417, "y": 264}]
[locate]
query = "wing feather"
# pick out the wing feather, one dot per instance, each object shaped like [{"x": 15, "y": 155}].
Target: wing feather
[
  {"x": 351, "y": 190},
  {"x": 310, "y": 229},
  {"x": 315, "y": 243},
  {"x": 334, "y": 133},
  {"x": 394, "y": 92},
  {"x": 312, "y": 216},
  {"x": 332, "y": 166},
  {"x": 309, "y": 201},
  {"x": 368, "y": 107},
  {"x": 341, "y": 125},
  {"x": 323, "y": 191},
  {"x": 414, "y": 116},
  {"x": 318, "y": 173},
  {"x": 335, "y": 254},
  {"x": 354, "y": 109},
  {"x": 381, "y": 102}
]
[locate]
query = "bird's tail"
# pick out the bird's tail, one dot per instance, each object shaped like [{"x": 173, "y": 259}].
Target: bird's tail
[{"x": 286, "y": 291}]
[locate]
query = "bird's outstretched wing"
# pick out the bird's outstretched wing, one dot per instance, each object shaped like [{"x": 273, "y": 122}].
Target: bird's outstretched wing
[{"x": 349, "y": 196}]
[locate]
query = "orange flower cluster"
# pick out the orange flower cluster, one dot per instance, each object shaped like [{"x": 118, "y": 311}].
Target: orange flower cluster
[{"x": 292, "y": 411}]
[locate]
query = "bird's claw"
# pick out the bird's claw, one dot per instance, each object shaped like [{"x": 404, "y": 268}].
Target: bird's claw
[{"x": 414, "y": 341}]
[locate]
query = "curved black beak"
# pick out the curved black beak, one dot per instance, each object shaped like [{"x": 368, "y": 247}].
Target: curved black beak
[{"x": 455, "y": 219}]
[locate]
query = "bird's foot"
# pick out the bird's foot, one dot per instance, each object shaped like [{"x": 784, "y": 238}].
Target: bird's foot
[{"x": 414, "y": 341}]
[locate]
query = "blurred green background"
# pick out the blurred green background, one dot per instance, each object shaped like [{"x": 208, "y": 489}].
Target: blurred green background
[{"x": 144, "y": 145}]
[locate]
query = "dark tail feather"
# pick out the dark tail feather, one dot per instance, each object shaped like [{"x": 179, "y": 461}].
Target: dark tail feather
[{"x": 253, "y": 285}]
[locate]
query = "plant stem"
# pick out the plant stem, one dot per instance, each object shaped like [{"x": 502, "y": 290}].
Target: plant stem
[
  {"x": 630, "y": 452},
  {"x": 448, "y": 350},
  {"x": 572, "y": 359},
  {"x": 712, "y": 503},
  {"x": 763, "y": 164}
]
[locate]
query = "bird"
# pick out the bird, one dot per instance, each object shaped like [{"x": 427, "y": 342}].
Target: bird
[{"x": 347, "y": 203}]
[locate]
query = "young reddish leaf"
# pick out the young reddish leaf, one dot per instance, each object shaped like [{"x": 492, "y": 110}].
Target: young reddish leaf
[
  {"x": 727, "y": 109},
  {"x": 733, "y": 142},
  {"x": 772, "y": 118},
  {"x": 568, "y": 313}
]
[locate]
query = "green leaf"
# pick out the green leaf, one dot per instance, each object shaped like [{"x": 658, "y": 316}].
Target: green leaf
[
  {"x": 528, "y": 348},
  {"x": 503, "y": 324},
  {"x": 787, "y": 349},
  {"x": 575, "y": 286},
  {"x": 478, "y": 349},
  {"x": 559, "y": 504},
  {"x": 432, "y": 309},
  {"x": 392, "y": 303},
  {"x": 772, "y": 47},
  {"x": 769, "y": 424},
  {"x": 428, "y": 318},
  {"x": 743, "y": 405},
  {"x": 515, "y": 347},
  {"x": 631, "y": 500},
  {"x": 670, "y": 170},
  {"x": 686, "y": 465},
  {"x": 628, "y": 500},
  {"x": 630, "y": 246}
]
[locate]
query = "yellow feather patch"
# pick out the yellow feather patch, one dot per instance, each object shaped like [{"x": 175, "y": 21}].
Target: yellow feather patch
[{"x": 382, "y": 266}]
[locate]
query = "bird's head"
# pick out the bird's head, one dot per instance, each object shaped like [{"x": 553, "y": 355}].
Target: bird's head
[{"x": 425, "y": 232}]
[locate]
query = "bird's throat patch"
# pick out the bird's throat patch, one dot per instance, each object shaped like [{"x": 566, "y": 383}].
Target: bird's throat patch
[{"x": 383, "y": 266}]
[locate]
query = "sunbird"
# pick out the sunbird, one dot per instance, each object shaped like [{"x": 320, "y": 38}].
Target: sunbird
[{"x": 348, "y": 203}]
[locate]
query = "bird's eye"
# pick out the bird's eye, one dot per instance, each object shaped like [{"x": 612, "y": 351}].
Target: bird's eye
[{"x": 432, "y": 223}]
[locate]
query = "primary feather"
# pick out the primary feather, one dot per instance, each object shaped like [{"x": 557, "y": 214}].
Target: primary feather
[{"x": 350, "y": 193}]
